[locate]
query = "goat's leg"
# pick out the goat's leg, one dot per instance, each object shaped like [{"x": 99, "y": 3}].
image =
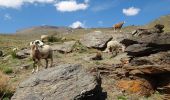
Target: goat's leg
[
  {"x": 120, "y": 30},
  {"x": 39, "y": 64},
  {"x": 51, "y": 62},
  {"x": 37, "y": 67},
  {"x": 114, "y": 29},
  {"x": 46, "y": 63},
  {"x": 34, "y": 64}
]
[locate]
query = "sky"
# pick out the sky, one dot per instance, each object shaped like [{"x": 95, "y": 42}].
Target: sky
[{"x": 20, "y": 14}]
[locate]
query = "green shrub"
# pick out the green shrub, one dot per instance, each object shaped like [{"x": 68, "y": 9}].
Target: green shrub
[
  {"x": 7, "y": 70},
  {"x": 121, "y": 98},
  {"x": 78, "y": 47},
  {"x": 6, "y": 98},
  {"x": 54, "y": 39},
  {"x": 13, "y": 54}
]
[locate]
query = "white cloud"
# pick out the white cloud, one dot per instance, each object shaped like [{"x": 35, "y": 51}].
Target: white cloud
[
  {"x": 7, "y": 17},
  {"x": 40, "y": 1},
  {"x": 77, "y": 24},
  {"x": 132, "y": 11},
  {"x": 11, "y": 3},
  {"x": 19, "y": 3},
  {"x": 72, "y": 5}
]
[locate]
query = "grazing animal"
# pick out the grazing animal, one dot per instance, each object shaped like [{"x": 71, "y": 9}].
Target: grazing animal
[
  {"x": 114, "y": 46},
  {"x": 44, "y": 37},
  {"x": 118, "y": 26},
  {"x": 40, "y": 52}
]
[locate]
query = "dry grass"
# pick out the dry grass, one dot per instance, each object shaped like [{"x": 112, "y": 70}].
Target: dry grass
[{"x": 6, "y": 90}]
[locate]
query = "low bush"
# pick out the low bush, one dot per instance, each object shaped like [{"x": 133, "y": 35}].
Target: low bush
[
  {"x": 78, "y": 47},
  {"x": 13, "y": 54},
  {"x": 54, "y": 39},
  {"x": 6, "y": 90}
]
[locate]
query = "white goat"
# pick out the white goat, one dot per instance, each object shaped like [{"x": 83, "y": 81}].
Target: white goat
[
  {"x": 114, "y": 46},
  {"x": 38, "y": 52}
]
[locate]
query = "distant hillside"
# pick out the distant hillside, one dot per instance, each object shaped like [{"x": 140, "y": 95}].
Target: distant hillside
[
  {"x": 44, "y": 30},
  {"x": 165, "y": 20},
  {"x": 38, "y": 30}
]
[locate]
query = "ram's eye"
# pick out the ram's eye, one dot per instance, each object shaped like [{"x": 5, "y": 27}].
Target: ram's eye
[{"x": 37, "y": 42}]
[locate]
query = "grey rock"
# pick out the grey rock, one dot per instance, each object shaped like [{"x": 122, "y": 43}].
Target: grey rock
[
  {"x": 120, "y": 36},
  {"x": 138, "y": 50},
  {"x": 158, "y": 28},
  {"x": 96, "y": 40},
  {"x": 63, "y": 82},
  {"x": 161, "y": 58},
  {"x": 146, "y": 45},
  {"x": 66, "y": 47},
  {"x": 23, "y": 53}
]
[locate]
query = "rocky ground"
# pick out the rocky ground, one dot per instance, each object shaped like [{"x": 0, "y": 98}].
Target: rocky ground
[{"x": 140, "y": 73}]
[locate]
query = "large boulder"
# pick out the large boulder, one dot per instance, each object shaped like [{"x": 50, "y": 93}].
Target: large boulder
[
  {"x": 23, "y": 53},
  {"x": 138, "y": 50},
  {"x": 63, "y": 82},
  {"x": 96, "y": 40},
  {"x": 146, "y": 45},
  {"x": 161, "y": 58},
  {"x": 66, "y": 47},
  {"x": 158, "y": 28}
]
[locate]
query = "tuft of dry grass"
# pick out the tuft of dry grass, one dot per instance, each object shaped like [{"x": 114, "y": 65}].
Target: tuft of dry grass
[{"x": 6, "y": 90}]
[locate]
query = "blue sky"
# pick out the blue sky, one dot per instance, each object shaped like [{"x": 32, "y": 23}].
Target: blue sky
[{"x": 19, "y": 14}]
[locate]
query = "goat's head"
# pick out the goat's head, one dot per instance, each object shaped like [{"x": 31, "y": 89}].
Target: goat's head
[{"x": 37, "y": 42}]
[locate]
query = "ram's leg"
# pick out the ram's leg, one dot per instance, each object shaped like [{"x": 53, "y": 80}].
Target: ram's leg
[
  {"x": 39, "y": 64},
  {"x": 114, "y": 29},
  {"x": 51, "y": 62},
  {"x": 34, "y": 64},
  {"x": 46, "y": 60}
]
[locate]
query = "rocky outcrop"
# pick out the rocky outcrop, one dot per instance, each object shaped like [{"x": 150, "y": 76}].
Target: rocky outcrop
[
  {"x": 158, "y": 28},
  {"x": 63, "y": 82},
  {"x": 146, "y": 45},
  {"x": 96, "y": 40},
  {"x": 23, "y": 53},
  {"x": 161, "y": 58},
  {"x": 66, "y": 47}
]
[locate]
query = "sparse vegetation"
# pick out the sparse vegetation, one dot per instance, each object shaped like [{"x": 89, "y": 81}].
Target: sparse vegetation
[
  {"x": 54, "y": 39},
  {"x": 78, "y": 47},
  {"x": 7, "y": 70},
  {"x": 121, "y": 98},
  {"x": 13, "y": 54},
  {"x": 6, "y": 90}
]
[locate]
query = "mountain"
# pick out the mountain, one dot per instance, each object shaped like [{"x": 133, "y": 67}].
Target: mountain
[
  {"x": 44, "y": 30},
  {"x": 165, "y": 20},
  {"x": 38, "y": 30}
]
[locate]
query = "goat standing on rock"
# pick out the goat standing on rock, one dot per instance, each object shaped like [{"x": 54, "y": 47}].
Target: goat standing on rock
[
  {"x": 118, "y": 26},
  {"x": 40, "y": 51}
]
